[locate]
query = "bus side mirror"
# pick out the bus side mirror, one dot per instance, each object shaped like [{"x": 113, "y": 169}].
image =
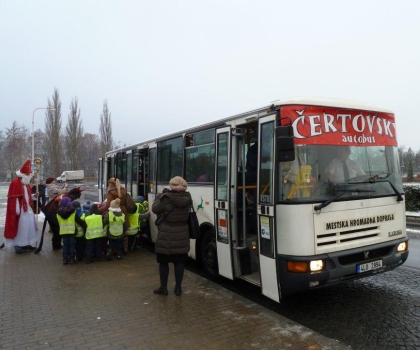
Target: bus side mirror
[{"x": 285, "y": 143}]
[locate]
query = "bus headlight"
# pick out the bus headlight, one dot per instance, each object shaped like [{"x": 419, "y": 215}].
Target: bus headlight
[
  {"x": 316, "y": 265},
  {"x": 402, "y": 247}
]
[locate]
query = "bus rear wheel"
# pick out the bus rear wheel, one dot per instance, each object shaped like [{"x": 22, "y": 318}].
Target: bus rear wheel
[{"x": 209, "y": 254}]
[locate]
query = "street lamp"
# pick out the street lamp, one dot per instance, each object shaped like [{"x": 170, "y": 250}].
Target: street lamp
[
  {"x": 33, "y": 118},
  {"x": 36, "y": 163}
]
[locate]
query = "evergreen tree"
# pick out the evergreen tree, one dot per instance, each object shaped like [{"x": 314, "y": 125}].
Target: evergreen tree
[
  {"x": 74, "y": 134},
  {"x": 410, "y": 172},
  {"x": 53, "y": 135}
]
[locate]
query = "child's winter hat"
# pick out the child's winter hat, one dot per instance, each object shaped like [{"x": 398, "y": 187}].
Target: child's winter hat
[
  {"x": 93, "y": 209},
  {"x": 76, "y": 204},
  {"x": 115, "y": 204},
  {"x": 139, "y": 199},
  {"x": 65, "y": 202},
  {"x": 87, "y": 205}
]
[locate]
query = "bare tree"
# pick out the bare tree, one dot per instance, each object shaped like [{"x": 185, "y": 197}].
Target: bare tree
[
  {"x": 1, "y": 140},
  {"x": 119, "y": 144},
  {"x": 3, "y": 171},
  {"x": 52, "y": 131},
  {"x": 105, "y": 130},
  {"x": 74, "y": 133},
  {"x": 15, "y": 150},
  {"x": 91, "y": 151}
]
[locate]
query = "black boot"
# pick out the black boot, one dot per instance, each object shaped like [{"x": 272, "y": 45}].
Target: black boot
[
  {"x": 163, "y": 275},
  {"x": 72, "y": 260},
  {"x": 179, "y": 274},
  {"x": 161, "y": 291},
  {"x": 65, "y": 259}
]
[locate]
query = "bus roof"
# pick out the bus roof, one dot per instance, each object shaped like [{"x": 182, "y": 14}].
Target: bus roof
[
  {"x": 311, "y": 101},
  {"x": 330, "y": 102}
]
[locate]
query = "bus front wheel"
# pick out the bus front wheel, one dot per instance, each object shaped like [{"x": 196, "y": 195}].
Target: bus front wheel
[{"x": 209, "y": 254}]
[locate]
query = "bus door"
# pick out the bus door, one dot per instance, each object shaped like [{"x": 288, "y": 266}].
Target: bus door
[
  {"x": 139, "y": 170},
  {"x": 134, "y": 173},
  {"x": 106, "y": 173},
  {"x": 221, "y": 202},
  {"x": 265, "y": 208},
  {"x": 101, "y": 177},
  {"x": 129, "y": 173},
  {"x": 151, "y": 186}
]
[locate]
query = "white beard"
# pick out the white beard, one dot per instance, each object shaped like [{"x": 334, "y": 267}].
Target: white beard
[{"x": 26, "y": 179}]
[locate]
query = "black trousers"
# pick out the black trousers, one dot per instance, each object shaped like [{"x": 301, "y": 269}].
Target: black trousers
[
  {"x": 55, "y": 229},
  {"x": 80, "y": 247},
  {"x": 94, "y": 247},
  {"x": 164, "y": 274}
]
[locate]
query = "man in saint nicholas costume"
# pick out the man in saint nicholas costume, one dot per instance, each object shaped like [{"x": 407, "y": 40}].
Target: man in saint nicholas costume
[{"x": 20, "y": 229}]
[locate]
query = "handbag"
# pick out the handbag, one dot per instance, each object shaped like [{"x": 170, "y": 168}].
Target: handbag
[
  {"x": 193, "y": 225},
  {"x": 161, "y": 218}
]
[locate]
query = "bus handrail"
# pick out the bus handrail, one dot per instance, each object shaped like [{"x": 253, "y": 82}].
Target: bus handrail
[{"x": 300, "y": 187}]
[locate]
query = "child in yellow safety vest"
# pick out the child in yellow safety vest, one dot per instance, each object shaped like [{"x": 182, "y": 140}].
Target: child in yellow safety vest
[
  {"x": 133, "y": 230},
  {"x": 95, "y": 234},
  {"x": 144, "y": 218},
  {"x": 67, "y": 220},
  {"x": 114, "y": 222},
  {"x": 137, "y": 221}
]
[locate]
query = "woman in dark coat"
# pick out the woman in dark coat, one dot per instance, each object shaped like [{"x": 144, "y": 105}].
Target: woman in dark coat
[{"x": 173, "y": 240}]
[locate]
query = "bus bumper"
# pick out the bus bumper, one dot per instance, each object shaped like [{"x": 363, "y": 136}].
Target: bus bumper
[{"x": 339, "y": 266}]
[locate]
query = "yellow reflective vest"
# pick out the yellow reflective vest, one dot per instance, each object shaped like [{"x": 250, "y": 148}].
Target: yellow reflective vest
[
  {"x": 94, "y": 225},
  {"x": 67, "y": 226},
  {"x": 133, "y": 219},
  {"x": 116, "y": 228},
  {"x": 144, "y": 207}
]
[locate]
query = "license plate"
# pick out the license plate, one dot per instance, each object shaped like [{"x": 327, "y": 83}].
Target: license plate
[{"x": 373, "y": 265}]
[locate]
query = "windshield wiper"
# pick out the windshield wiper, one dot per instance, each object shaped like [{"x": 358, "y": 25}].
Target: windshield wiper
[
  {"x": 397, "y": 193},
  {"x": 328, "y": 202},
  {"x": 373, "y": 180}
]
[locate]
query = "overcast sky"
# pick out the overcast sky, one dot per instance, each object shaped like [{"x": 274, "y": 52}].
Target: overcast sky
[{"x": 164, "y": 66}]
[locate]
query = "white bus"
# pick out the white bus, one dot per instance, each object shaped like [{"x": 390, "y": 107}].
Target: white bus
[{"x": 266, "y": 186}]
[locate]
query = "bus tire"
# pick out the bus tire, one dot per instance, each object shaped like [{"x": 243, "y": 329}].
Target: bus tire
[{"x": 209, "y": 254}]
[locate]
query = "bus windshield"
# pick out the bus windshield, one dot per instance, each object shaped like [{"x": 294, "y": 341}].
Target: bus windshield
[{"x": 319, "y": 172}]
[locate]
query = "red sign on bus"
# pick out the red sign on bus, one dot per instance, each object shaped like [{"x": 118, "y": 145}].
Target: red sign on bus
[{"x": 337, "y": 126}]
